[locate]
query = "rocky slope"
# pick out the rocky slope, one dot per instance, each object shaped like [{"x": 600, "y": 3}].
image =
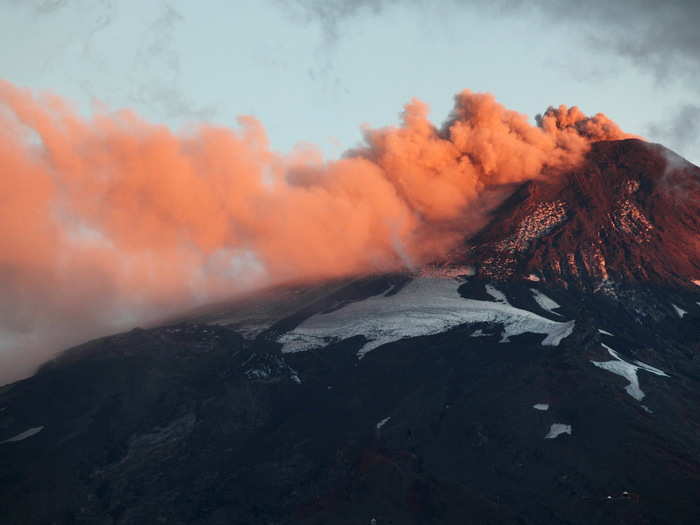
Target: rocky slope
[
  {"x": 630, "y": 213},
  {"x": 550, "y": 374}
]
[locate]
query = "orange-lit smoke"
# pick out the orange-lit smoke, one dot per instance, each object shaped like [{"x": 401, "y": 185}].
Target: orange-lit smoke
[{"x": 110, "y": 220}]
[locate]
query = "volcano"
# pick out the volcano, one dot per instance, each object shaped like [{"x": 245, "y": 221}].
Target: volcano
[{"x": 547, "y": 372}]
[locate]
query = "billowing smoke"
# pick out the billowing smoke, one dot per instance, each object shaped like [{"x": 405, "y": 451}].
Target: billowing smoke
[{"x": 112, "y": 221}]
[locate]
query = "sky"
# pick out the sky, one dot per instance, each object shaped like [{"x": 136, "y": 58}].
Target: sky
[
  {"x": 201, "y": 154},
  {"x": 318, "y": 71}
]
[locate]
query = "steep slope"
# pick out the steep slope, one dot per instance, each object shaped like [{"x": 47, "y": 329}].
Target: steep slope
[
  {"x": 630, "y": 213},
  {"x": 550, "y": 374}
]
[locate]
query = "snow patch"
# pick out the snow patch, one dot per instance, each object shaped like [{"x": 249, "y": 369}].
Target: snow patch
[
  {"x": 681, "y": 313},
  {"x": 497, "y": 295},
  {"x": 425, "y": 306},
  {"x": 545, "y": 302},
  {"x": 23, "y": 435},
  {"x": 555, "y": 333},
  {"x": 651, "y": 369},
  {"x": 541, "y": 406},
  {"x": 383, "y": 422},
  {"x": 605, "y": 332},
  {"x": 557, "y": 429},
  {"x": 629, "y": 371},
  {"x": 696, "y": 282},
  {"x": 532, "y": 277}
]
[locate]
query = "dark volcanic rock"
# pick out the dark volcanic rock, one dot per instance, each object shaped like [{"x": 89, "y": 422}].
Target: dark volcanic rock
[{"x": 572, "y": 399}]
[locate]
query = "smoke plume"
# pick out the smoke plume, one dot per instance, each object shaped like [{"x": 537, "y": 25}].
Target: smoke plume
[{"x": 111, "y": 221}]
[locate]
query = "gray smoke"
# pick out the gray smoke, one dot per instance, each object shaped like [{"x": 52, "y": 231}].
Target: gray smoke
[{"x": 683, "y": 128}]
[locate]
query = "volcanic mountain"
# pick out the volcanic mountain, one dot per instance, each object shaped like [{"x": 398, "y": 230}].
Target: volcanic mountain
[{"x": 549, "y": 372}]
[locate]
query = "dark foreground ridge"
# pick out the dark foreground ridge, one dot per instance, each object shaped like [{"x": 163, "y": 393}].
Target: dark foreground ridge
[{"x": 533, "y": 392}]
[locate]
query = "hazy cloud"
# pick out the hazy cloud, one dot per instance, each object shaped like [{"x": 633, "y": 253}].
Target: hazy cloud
[
  {"x": 331, "y": 14},
  {"x": 682, "y": 129},
  {"x": 154, "y": 77},
  {"x": 40, "y": 7},
  {"x": 155, "y": 73},
  {"x": 663, "y": 38}
]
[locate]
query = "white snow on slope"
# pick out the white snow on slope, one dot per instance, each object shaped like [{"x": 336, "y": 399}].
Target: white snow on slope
[
  {"x": 605, "y": 332},
  {"x": 650, "y": 369},
  {"x": 425, "y": 306},
  {"x": 541, "y": 406},
  {"x": 629, "y": 371},
  {"x": 497, "y": 295},
  {"x": 545, "y": 302},
  {"x": 383, "y": 422},
  {"x": 681, "y": 313},
  {"x": 557, "y": 429},
  {"x": 23, "y": 435}
]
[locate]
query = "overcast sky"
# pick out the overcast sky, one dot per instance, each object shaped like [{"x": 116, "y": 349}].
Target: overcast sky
[{"x": 316, "y": 71}]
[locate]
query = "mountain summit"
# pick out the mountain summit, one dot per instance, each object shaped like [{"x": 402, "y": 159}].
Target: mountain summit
[
  {"x": 548, "y": 374},
  {"x": 629, "y": 213}
]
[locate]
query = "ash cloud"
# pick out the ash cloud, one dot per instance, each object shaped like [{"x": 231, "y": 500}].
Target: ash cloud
[{"x": 112, "y": 221}]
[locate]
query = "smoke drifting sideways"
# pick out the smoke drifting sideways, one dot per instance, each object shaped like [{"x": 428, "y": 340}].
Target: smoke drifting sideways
[{"x": 111, "y": 222}]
